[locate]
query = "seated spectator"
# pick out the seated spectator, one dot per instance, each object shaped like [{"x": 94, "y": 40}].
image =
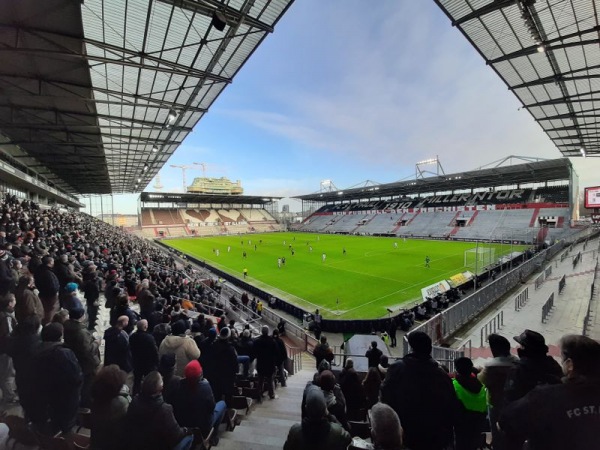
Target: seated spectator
[
  {"x": 493, "y": 377},
  {"x": 110, "y": 400},
  {"x": 534, "y": 367},
  {"x": 386, "y": 431},
  {"x": 194, "y": 405},
  {"x": 316, "y": 429},
  {"x": 471, "y": 394},
  {"x": 183, "y": 346},
  {"x": 150, "y": 422},
  {"x": 352, "y": 387},
  {"x": 371, "y": 386},
  {"x": 560, "y": 416}
]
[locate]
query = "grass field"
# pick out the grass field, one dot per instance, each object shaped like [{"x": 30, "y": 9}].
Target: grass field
[{"x": 373, "y": 275}]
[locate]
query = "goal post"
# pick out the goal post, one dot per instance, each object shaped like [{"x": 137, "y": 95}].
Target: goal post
[{"x": 479, "y": 257}]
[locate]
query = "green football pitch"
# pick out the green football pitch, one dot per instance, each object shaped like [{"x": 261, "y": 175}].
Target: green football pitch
[{"x": 372, "y": 275}]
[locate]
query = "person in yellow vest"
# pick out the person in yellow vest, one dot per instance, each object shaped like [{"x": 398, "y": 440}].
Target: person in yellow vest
[
  {"x": 472, "y": 395},
  {"x": 259, "y": 308}
]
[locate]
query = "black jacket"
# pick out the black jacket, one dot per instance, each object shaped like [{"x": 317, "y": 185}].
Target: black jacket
[
  {"x": 265, "y": 351},
  {"x": 193, "y": 405},
  {"x": 116, "y": 349},
  {"x": 151, "y": 424},
  {"x": 422, "y": 395},
  {"x": 556, "y": 417},
  {"x": 224, "y": 367},
  {"x": 79, "y": 339},
  {"x": 374, "y": 356},
  {"x": 144, "y": 352},
  {"x": 528, "y": 373},
  {"x": 46, "y": 281}
]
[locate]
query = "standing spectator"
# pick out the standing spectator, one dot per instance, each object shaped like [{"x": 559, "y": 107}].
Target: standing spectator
[
  {"x": 392, "y": 328},
  {"x": 334, "y": 397},
  {"x": 28, "y": 303},
  {"x": 373, "y": 354},
  {"x": 352, "y": 387},
  {"x": 122, "y": 309},
  {"x": 317, "y": 429},
  {"x": 7, "y": 282},
  {"x": 144, "y": 354},
  {"x": 65, "y": 274},
  {"x": 150, "y": 422},
  {"x": 386, "y": 431},
  {"x": 534, "y": 367},
  {"x": 85, "y": 347},
  {"x": 92, "y": 286},
  {"x": 472, "y": 396},
  {"x": 146, "y": 300},
  {"x": 58, "y": 390},
  {"x": 47, "y": 283},
  {"x": 184, "y": 347},
  {"x": 22, "y": 345},
  {"x": 116, "y": 345},
  {"x": 7, "y": 325},
  {"x": 265, "y": 350},
  {"x": 560, "y": 416},
  {"x": 225, "y": 366},
  {"x": 371, "y": 386},
  {"x": 110, "y": 400},
  {"x": 493, "y": 377},
  {"x": 280, "y": 357},
  {"x": 259, "y": 308},
  {"x": 194, "y": 404},
  {"x": 71, "y": 299},
  {"x": 320, "y": 351},
  {"x": 422, "y": 395}
]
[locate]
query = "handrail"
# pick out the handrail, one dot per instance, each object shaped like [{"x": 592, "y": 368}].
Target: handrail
[
  {"x": 493, "y": 325},
  {"x": 547, "y": 307}
]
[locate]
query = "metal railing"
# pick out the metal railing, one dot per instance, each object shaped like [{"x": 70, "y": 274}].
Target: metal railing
[
  {"x": 576, "y": 260},
  {"x": 562, "y": 283},
  {"x": 493, "y": 325},
  {"x": 548, "y": 271},
  {"x": 539, "y": 280},
  {"x": 586, "y": 320},
  {"x": 547, "y": 308},
  {"x": 521, "y": 298},
  {"x": 295, "y": 358}
]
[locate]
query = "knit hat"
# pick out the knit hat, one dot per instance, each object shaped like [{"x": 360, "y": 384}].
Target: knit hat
[
  {"x": 76, "y": 313},
  {"x": 167, "y": 361},
  {"x": 178, "y": 328},
  {"x": 225, "y": 333},
  {"x": 52, "y": 332},
  {"x": 212, "y": 332},
  {"x": 315, "y": 408},
  {"x": 193, "y": 370},
  {"x": 71, "y": 287}
]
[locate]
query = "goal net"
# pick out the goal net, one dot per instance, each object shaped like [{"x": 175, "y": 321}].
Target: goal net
[{"x": 479, "y": 257}]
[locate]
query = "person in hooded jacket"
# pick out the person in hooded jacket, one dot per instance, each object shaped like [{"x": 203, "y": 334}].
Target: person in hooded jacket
[
  {"x": 472, "y": 396},
  {"x": 225, "y": 366},
  {"x": 183, "y": 346}
]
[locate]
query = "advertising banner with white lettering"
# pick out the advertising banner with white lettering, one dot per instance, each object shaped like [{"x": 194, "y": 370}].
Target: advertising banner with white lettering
[{"x": 438, "y": 288}]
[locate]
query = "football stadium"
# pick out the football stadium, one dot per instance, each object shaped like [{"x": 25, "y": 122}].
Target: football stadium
[{"x": 439, "y": 310}]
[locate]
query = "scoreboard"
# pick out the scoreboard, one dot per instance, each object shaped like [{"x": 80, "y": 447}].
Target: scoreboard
[{"x": 592, "y": 197}]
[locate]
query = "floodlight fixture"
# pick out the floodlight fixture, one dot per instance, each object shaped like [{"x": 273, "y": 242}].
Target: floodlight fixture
[
  {"x": 139, "y": 180},
  {"x": 145, "y": 167},
  {"x": 582, "y": 150},
  {"x": 541, "y": 49},
  {"x": 218, "y": 20},
  {"x": 154, "y": 148},
  {"x": 172, "y": 116}
]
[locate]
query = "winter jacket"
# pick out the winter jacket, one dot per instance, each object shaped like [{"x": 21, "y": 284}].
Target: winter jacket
[
  {"x": 184, "y": 348},
  {"x": 46, "y": 281},
  {"x": 223, "y": 368},
  {"x": 116, "y": 349},
  {"x": 28, "y": 304},
  {"x": 265, "y": 351},
  {"x": 494, "y": 375},
  {"x": 144, "y": 352},
  {"x": 317, "y": 435},
  {"x": 79, "y": 339},
  {"x": 422, "y": 395},
  {"x": 528, "y": 373},
  {"x": 193, "y": 404}
]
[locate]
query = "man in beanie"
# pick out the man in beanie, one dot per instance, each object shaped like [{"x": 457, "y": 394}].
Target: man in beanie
[
  {"x": 422, "y": 395},
  {"x": 194, "y": 405},
  {"x": 81, "y": 341},
  {"x": 71, "y": 299},
  {"x": 317, "y": 430},
  {"x": 224, "y": 366},
  {"x": 59, "y": 383},
  {"x": 493, "y": 376},
  {"x": 265, "y": 351},
  {"x": 534, "y": 367}
]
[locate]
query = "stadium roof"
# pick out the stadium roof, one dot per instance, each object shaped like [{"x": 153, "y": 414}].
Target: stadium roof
[
  {"x": 548, "y": 55},
  {"x": 97, "y": 94},
  {"x": 174, "y": 197},
  {"x": 532, "y": 172}
]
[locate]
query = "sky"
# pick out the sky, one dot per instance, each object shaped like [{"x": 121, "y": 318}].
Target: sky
[{"x": 348, "y": 92}]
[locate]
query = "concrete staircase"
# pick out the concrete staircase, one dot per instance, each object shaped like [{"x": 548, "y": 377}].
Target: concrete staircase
[{"x": 267, "y": 425}]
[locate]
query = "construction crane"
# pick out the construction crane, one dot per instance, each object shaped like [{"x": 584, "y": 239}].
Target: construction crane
[
  {"x": 157, "y": 184},
  {"x": 183, "y": 169}
]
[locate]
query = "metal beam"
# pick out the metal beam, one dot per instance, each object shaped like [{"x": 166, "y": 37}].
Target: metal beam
[
  {"x": 487, "y": 9},
  {"x": 553, "y": 79}
]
